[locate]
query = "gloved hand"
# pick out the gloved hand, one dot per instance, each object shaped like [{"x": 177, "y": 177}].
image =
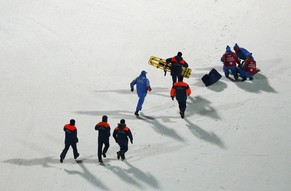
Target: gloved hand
[
  {"x": 149, "y": 88},
  {"x": 172, "y": 97},
  {"x": 131, "y": 89},
  {"x": 131, "y": 141}
]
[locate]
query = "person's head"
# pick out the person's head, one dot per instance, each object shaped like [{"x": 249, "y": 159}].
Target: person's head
[
  {"x": 227, "y": 50},
  {"x": 122, "y": 121},
  {"x": 104, "y": 118},
  {"x": 143, "y": 73},
  {"x": 236, "y": 48},
  {"x": 180, "y": 78},
  {"x": 179, "y": 54},
  {"x": 250, "y": 56},
  {"x": 72, "y": 122}
]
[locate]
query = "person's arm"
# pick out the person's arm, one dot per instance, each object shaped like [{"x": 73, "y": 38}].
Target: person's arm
[{"x": 132, "y": 84}]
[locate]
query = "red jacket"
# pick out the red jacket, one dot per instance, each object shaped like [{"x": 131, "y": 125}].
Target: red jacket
[
  {"x": 229, "y": 59},
  {"x": 250, "y": 66}
]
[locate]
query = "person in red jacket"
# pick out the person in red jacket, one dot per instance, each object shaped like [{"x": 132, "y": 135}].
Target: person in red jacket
[
  {"x": 229, "y": 60},
  {"x": 103, "y": 129},
  {"x": 181, "y": 91},
  {"x": 249, "y": 68},
  {"x": 176, "y": 68},
  {"x": 71, "y": 139}
]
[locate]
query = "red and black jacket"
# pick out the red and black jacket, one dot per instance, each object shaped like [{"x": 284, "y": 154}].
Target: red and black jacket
[
  {"x": 103, "y": 129},
  {"x": 177, "y": 64},
  {"x": 71, "y": 134},
  {"x": 121, "y": 133},
  {"x": 181, "y": 90}
]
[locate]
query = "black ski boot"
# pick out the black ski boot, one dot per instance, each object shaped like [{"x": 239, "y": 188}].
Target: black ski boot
[
  {"x": 75, "y": 157},
  {"x": 122, "y": 157},
  {"x": 136, "y": 113}
]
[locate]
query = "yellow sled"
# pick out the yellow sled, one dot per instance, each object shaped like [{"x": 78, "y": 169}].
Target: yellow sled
[{"x": 161, "y": 63}]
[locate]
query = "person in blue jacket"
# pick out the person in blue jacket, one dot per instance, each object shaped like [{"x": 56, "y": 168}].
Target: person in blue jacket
[
  {"x": 241, "y": 53},
  {"x": 142, "y": 87}
]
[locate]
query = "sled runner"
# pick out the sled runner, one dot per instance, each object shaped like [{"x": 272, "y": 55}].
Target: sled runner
[{"x": 161, "y": 64}]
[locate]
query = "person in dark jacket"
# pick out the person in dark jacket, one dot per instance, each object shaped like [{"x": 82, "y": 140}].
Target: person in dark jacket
[
  {"x": 181, "y": 91},
  {"x": 71, "y": 139},
  {"x": 142, "y": 87},
  {"x": 103, "y": 129},
  {"x": 176, "y": 68},
  {"x": 121, "y": 135}
]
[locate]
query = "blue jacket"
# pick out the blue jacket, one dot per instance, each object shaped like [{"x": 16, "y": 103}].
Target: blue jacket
[
  {"x": 240, "y": 52},
  {"x": 142, "y": 85}
]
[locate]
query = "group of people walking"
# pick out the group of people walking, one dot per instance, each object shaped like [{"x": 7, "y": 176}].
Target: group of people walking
[{"x": 121, "y": 134}]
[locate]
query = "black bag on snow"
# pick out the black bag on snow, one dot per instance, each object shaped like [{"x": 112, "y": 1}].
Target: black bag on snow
[{"x": 211, "y": 78}]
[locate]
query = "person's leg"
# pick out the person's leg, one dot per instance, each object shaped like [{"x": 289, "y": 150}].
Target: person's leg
[
  {"x": 234, "y": 72},
  {"x": 123, "y": 149},
  {"x": 106, "y": 147},
  {"x": 182, "y": 107},
  {"x": 64, "y": 152},
  {"x": 226, "y": 71},
  {"x": 118, "y": 153},
  {"x": 139, "y": 104},
  {"x": 100, "y": 145},
  {"x": 75, "y": 150},
  {"x": 174, "y": 79},
  {"x": 242, "y": 74}
]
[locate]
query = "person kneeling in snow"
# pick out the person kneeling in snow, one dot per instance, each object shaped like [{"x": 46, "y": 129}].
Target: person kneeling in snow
[
  {"x": 229, "y": 60},
  {"x": 241, "y": 54},
  {"x": 249, "y": 68},
  {"x": 142, "y": 87}
]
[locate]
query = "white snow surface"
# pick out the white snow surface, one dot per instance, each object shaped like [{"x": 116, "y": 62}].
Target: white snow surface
[{"x": 75, "y": 59}]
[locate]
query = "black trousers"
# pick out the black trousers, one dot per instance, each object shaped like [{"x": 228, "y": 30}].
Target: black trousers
[
  {"x": 175, "y": 78},
  {"x": 182, "y": 105},
  {"x": 123, "y": 147},
  {"x": 67, "y": 146},
  {"x": 100, "y": 148}
]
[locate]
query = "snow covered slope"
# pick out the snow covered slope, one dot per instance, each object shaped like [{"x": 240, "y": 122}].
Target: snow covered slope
[{"x": 75, "y": 59}]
